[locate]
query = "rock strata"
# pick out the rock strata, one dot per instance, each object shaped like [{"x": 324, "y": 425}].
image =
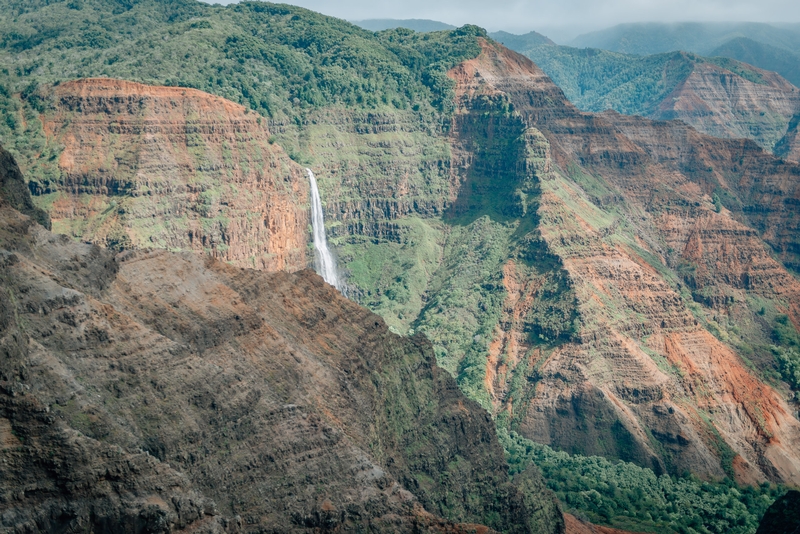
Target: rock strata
[
  {"x": 153, "y": 391},
  {"x": 620, "y": 202},
  {"x": 174, "y": 168},
  {"x": 721, "y": 103}
]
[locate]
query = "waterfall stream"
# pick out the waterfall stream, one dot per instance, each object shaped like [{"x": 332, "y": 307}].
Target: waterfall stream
[{"x": 324, "y": 262}]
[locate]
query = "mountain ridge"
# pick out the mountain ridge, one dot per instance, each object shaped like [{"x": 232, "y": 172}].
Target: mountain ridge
[
  {"x": 139, "y": 373},
  {"x": 718, "y": 96},
  {"x": 418, "y": 25},
  {"x": 698, "y": 37}
]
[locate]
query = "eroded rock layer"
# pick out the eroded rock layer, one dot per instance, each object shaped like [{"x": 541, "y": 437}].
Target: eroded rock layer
[
  {"x": 654, "y": 264},
  {"x": 174, "y": 168},
  {"x": 153, "y": 391}
]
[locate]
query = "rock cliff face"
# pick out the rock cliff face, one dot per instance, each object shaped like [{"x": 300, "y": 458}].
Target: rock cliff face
[
  {"x": 721, "y": 103},
  {"x": 175, "y": 168},
  {"x": 599, "y": 282},
  {"x": 624, "y": 207},
  {"x": 151, "y": 391},
  {"x": 14, "y": 190}
]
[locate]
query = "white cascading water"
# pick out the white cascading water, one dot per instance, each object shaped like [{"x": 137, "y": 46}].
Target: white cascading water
[{"x": 323, "y": 259}]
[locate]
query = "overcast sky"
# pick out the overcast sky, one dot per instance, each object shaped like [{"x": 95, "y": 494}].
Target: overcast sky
[{"x": 524, "y": 15}]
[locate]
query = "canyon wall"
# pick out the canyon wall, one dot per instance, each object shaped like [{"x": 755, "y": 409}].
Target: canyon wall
[
  {"x": 722, "y": 103},
  {"x": 175, "y": 168},
  {"x": 148, "y": 390},
  {"x": 654, "y": 268}
]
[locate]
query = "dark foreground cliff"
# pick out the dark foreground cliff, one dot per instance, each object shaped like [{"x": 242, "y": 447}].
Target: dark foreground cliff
[
  {"x": 783, "y": 517},
  {"x": 155, "y": 392}
]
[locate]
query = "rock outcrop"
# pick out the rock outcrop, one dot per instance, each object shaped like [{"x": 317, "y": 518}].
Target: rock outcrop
[
  {"x": 619, "y": 207},
  {"x": 154, "y": 391},
  {"x": 174, "y": 168},
  {"x": 14, "y": 190}
]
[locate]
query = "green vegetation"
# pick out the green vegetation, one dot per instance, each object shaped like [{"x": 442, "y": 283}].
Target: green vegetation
[
  {"x": 276, "y": 58},
  {"x": 699, "y": 37},
  {"x": 280, "y": 60},
  {"x": 624, "y": 495},
  {"x": 597, "y": 80},
  {"x": 763, "y": 56},
  {"x": 392, "y": 275},
  {"x": 787, "y": 350}
]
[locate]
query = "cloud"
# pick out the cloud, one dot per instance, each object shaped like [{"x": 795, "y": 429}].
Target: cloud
[{"x": 523, "y": 15}]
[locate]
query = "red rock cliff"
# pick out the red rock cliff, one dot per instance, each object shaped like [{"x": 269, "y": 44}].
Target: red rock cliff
[
  {"x": 174, "y": 168},
  {"x": 643, "y": 378}
]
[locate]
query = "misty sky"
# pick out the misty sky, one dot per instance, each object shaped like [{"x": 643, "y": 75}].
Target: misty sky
[{"x": 524, "y": 15}]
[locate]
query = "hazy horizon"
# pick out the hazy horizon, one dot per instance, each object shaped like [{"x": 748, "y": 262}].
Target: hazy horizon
[{"x": 569, "y": 17}]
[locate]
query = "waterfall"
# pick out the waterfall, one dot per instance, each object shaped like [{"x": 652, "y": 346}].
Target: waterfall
[{"x": 324, "y": 262}]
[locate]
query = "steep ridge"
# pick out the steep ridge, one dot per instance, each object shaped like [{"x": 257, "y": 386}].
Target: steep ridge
[
  {"x": 640, "y": 376},
  {"x": 13, "y": 189},
  {"x": 175, "y": 168},
  {"x": 716, "y": 95},
  {"x": 181, "y": 393},
  {"x": 721, "y": 103}
]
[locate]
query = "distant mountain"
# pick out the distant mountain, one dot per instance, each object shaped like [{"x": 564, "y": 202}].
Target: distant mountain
[
  {"x": 763, "y": 56},
  {"x": 701, "y": 38},
  {"x": 718, "y": 96},
  {"x": 520, "y": 42},
  {"x": 418, "y": 25}
]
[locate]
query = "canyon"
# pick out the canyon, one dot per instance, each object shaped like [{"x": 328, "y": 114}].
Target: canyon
[
  {"x": 605, "y": 284},
  {"x": 150, "y": 391},
  {"x": 600, "y": 318}
]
